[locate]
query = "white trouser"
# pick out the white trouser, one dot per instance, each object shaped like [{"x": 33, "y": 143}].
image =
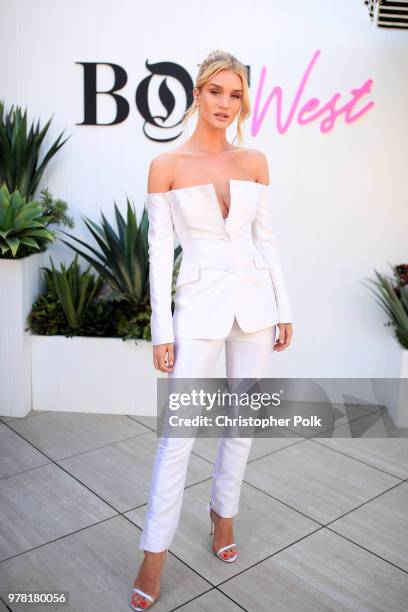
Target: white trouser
[{"x": 246, "y": 356}]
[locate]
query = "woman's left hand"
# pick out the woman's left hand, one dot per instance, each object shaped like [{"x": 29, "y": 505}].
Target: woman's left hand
[{"x": 285, "y": 336}]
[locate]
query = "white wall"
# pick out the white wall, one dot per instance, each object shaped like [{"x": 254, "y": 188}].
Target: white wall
[{"x": 341, "y": 196}]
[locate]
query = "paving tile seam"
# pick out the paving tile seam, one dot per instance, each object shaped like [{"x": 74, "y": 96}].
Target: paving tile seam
[
  {"x": 345, "y": 454},
  {"x": 287, "y": 448},
  {"x": 140, "y": 423},
  {"x": 66, "y": 535},
  {"x": 278, "y": 450},
  {"x": 284, "y": 503},
  {"x": 242, "y": 571},
  {"x": 201, "y": 594},
  {"x": 367, "y": 549},
  {"x": 328, "y": 528},
  {"x": 17, "y": 433},
  {"x": 89, "y": 450},
  {"x": 193, "y": 484},
  {"x": 203, "y": 458},
  {"x": 212, "y": 585},
  {"x": 149, "y": 430},
  {"x": 270, "y": 556},
  {"x": 333, "y": 520},
  {"x": 63, "y": 469},
  {"x": 119, "y": 513},
  {"x": 251, "y": 460},
  {"x": 398, "y": 484},
  {"x": 5, "y": 604},
  {"x": 30, "y": 469}
]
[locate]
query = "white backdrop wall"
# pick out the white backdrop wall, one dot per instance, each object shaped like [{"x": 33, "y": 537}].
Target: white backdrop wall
[{"x": 340, "y": 197}]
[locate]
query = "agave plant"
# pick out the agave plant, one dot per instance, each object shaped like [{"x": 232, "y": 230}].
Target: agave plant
[
  {"x": 21, "y": 223},
  {"x": 123, "y": 259},
  {"x": 19, "y": 151},
  {"x": 76, "y": 290},
  {"x": 394, "y": 300}
]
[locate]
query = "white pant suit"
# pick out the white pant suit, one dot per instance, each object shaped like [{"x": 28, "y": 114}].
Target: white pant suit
[
  {"x": 247, "y": 355},
  {"x": 230, "y": 289}
]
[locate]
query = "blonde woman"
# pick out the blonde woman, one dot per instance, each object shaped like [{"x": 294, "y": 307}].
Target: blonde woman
[{"x": 230, "y": 291}]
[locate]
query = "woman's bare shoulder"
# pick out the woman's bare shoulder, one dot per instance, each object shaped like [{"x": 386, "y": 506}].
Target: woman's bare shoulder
[
  {"x": 261, "y": 166},
  {"x": 256, "y": 164},
  {"x": 161, "y": 171}
]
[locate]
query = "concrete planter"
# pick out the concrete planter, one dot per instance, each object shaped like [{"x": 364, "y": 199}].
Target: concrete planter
[
  {"x": 91, "y": 374},
  {"x": 393, "y": 393},
  {"x": 96, "y": 375},
  {"x": 21, "y": 282},
  {"x": 399, "y": 411}
]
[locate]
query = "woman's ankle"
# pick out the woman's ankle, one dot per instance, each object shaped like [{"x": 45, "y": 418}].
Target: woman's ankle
[
  {"x": 155, "y": 556},
  {"x": 217, "y": 516},
  {"x": 150, "y": 569}
]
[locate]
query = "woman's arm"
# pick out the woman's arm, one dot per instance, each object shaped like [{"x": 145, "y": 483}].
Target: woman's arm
[
  {"x": 265, "y": 240},
  {"x": 161, "y": 250}
]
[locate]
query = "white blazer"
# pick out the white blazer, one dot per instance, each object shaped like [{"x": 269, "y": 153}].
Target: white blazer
[{"x": 229, "y": 266}]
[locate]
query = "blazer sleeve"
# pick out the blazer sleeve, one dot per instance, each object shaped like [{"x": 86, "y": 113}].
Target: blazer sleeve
[
  {"x": 265, "y": 240},
  {"x": 161, "y": 262}
]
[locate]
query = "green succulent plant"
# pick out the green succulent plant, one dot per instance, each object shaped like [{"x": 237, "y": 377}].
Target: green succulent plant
[
  {"x": 19, "y": 151},
  {"x": 122, "y": 259},
  {"x": 76, "y": 290},
  {"x": 394, "y": 300},
  {"x": 21, "y": 223},
  {"x": 99, "y": 319},
  {"x": 47, "y": 316},
  {"x": 131, "y": 324}
]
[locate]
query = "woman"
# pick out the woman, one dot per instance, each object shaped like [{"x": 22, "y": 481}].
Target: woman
[{"x": 230, "y": 289}]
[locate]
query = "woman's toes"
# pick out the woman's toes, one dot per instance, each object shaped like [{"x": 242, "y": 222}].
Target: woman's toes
[
  {"x": 136, "y": 599},
  {"x": 139, "y": 601}
]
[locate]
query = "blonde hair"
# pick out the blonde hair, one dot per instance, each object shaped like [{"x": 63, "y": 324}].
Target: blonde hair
[{"x": 214, "y": 62}]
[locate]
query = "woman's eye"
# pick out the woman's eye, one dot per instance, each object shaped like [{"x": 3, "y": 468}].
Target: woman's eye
[{"x": 234, "y": 96}]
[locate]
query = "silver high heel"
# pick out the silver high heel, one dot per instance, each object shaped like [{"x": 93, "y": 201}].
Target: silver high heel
[{"x": 219, "y": 552}]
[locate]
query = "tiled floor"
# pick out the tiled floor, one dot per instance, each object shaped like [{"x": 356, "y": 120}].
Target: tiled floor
[{"x": 323, "y": 521}]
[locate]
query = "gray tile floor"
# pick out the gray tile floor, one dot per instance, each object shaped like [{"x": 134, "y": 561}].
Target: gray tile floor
[{"x": 323, "y": 521}]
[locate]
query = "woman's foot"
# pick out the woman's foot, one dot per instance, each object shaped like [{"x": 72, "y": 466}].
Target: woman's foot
[
  {"x": 223, "y": 535},
  {"x": 148, "y": 578}
]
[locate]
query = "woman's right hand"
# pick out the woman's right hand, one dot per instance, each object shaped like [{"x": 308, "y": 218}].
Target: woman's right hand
[{"x": 163, "y": 357}]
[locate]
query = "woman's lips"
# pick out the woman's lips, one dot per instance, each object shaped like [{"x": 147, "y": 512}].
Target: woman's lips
[{"x": 221, "y": 116}]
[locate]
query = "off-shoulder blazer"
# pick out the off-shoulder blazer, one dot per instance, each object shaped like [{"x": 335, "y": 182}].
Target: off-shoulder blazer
[{"x": 229, "y": 266}]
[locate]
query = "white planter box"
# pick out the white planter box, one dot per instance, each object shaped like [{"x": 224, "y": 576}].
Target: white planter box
[
  {"x": 21, "y": 281},
  {"x": 91, "y": 374},
  {"x": 95, "y": 375},
  {"x": 404, "y": 364},
  {"x": 399, "y": 412},
  {"x": 393, "y": 393}
]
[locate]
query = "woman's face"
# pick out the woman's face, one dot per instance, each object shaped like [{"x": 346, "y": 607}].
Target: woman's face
[{"x": 220, "y": 99}]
